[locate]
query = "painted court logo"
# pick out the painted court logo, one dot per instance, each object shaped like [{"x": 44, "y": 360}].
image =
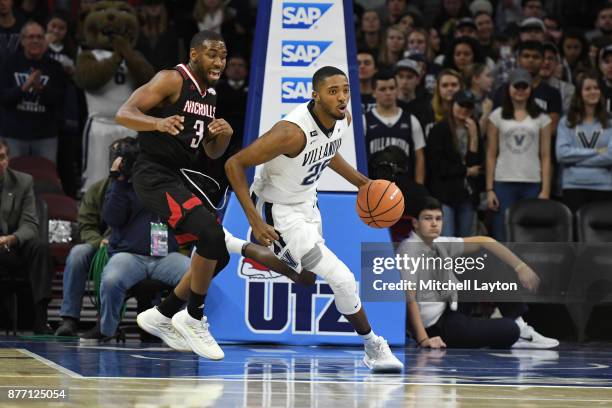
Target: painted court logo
[
  {"x": 303, "y": 15},
  {"x": 302, "y": 53},
  {"x": 296, "y": 90}
]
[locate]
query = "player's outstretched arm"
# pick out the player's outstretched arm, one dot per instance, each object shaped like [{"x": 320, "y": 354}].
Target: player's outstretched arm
[
  {"x": 284, "y": 138},
  {"x": 165, "y": 87}
]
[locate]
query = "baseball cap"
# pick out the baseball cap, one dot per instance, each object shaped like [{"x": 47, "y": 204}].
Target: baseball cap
[
  {"x": 518, "y": 76},
  {"x": 465, "y": 22},
  {"x": 408, "y": 63},
  {"x": 464, "y": 98},
  {"x": 481, "y": 6},
  {"x": 531, "y": 23},
  {"x": 548, "y": 45},
  {"x": 605, "y": 51}
]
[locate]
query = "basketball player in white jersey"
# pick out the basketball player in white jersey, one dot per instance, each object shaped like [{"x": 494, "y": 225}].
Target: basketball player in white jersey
[{"x": 294, "y": 153}]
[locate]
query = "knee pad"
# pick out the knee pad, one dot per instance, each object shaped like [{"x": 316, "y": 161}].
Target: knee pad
[{"x": 323, "y": 262}]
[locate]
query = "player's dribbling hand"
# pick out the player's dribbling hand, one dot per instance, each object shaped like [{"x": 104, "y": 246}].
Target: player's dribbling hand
[
  {"x": 264, "y": 233},
  {"x": 219, "y": 127},
  {"x": 172, "y": 124}
]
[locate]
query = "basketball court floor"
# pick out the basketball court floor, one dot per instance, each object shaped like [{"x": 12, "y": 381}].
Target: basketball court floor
[{"x": 150, "y": 375}]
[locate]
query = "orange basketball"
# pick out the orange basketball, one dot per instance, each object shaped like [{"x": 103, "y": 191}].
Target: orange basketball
[{"x": 380, "y": 204}]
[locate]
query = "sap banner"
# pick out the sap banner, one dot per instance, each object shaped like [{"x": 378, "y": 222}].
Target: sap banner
[{"x": 247, "y": 302}]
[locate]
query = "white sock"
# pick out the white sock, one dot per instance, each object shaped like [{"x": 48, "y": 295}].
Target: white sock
[
  {"x": 368, "y": 338},
  {"x": 234, "y": 245}
]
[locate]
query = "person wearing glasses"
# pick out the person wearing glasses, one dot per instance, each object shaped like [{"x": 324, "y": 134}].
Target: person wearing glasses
[{"x": 32, "y": 86}]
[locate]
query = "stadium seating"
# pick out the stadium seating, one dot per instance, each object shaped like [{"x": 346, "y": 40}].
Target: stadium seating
[{"x": 592, "y": 279}]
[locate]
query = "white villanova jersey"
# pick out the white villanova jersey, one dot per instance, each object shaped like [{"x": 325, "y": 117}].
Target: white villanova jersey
[{"x": 292, "y": 180}]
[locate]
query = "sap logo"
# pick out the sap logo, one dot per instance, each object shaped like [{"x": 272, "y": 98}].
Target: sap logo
[
  {"x": 302, "y": 53},
  {"x": 303, "y": 15},
  {"x": 296, "y": 90}
]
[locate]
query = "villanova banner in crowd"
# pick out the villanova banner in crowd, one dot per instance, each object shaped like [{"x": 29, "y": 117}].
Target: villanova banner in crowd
[{"x": 247, "y": 302}]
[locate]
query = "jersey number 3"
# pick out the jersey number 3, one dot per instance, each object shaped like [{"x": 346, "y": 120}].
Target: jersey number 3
[
  {"x": 314, "y": 172},
  {"x": 199, "y": 128}
]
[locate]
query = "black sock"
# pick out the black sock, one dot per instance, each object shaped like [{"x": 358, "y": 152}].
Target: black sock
[
  {"x": 195, "y": 305},
  {"x": 170, "y": 305}
]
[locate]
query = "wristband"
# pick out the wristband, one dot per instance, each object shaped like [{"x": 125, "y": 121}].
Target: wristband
[
  {"x": 489, "y": 190},
  {"x": 419, "y": 343}
]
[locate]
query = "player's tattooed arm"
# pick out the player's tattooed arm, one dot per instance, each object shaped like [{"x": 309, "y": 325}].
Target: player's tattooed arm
[
  {"x": 165, "y": 87},
  {"x": 284, "y": 138}
]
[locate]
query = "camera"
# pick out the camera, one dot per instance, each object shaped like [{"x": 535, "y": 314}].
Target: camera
[
  {"x": 126, "y": 148},
  {"x": 388, "y": 164}
]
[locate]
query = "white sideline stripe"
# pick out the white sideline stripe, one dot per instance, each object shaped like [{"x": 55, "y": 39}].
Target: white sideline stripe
[
  {"x": 346, "y": 382},
  {"x": 51, "y": 364}
]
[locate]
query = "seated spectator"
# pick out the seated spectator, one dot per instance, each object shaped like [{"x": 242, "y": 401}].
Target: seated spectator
[
  {"x": 436, "y": 319},
  {"x": 10, "y": 26},
  {"x": 20, "y": 245},
  {"x": 584, "y": 147},
  {"x": 92, "y": 231},
  {"x": 452, "y": 11},
  {"x": 454, "y": 158},
  {"x": 448, "y": 83},
  {"x": 479, "y": 81},
  {"x": 32, "y": 87},
  {"x": 408, "y": 21},
  {"x": 549, "y": 74},
  {"x": 135, "y": 254},
  {"x": 518, "y": 150},
  {"x": 532, "y": 29},
  {"x": 158, "y": 40}
]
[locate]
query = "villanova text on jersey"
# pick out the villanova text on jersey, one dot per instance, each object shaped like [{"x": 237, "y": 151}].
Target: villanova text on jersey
[{"x": 321, "y": 152}]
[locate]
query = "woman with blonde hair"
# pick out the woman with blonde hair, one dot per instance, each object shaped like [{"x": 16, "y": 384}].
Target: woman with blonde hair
[
  {"x": 448, "y": 83},
  {"x": 392, "y": 49}
]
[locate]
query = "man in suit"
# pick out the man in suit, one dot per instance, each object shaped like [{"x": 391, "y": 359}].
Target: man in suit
[{"x": 21, "y": 249}]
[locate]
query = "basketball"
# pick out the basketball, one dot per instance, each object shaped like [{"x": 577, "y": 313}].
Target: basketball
[{"x": 380, "y": 204}]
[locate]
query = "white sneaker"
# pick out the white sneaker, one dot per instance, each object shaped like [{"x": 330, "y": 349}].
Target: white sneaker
[
  {"x": 155, "y": 323},
  {"x": 531, "y": 339},
  {"x": 379, "y": 358},
  {"x": 197, "y": 335}
]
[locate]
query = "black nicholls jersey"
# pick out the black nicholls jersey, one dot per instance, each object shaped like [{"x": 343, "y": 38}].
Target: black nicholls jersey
[{"x": 184, "y": 150}]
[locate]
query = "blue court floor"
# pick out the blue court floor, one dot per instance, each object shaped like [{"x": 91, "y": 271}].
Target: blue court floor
[{"x": 263, "y": 375}]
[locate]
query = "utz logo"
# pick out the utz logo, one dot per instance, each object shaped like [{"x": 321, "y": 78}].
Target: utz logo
[
  {"x": 274, "y": 304},
  {"x": 302, "y": 53},
  {"x": 296, "y": 90},
  {"x": 303, "y": 15}
]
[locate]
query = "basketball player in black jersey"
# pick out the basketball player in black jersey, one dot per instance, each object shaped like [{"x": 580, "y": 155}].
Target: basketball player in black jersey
[{"x": 179, "y": 135}]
